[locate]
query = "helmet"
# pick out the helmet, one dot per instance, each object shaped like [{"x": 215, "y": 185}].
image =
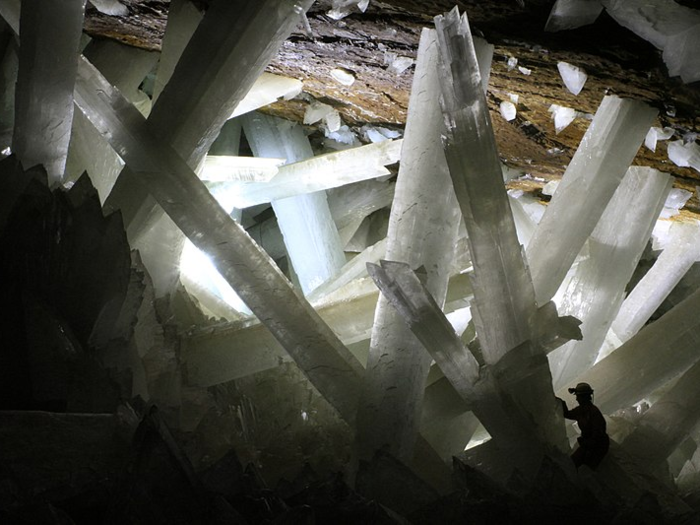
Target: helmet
[{"x": 581, "y": 389}]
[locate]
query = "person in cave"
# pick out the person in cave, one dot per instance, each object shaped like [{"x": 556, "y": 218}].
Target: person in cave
[{"x": 593, "y": 443}]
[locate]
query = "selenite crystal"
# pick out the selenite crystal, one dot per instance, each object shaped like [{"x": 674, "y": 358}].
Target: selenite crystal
[
  {"x": 570, "y": 14},
  {"x": 422, "y": 230},
  {"x": 310, "y": 235},
  {"x": 588, "y": 184},
  {"x": 48, "y": 60},
  {"x": 596, "y": 288}
]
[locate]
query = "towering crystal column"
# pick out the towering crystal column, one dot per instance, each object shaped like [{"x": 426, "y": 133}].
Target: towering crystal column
[
  {"x": 598, "y": 166},
  {"x": 48, "y": 60},
  {"x": 682, "y": 251},
  {"x": 315, "y": 348},
  {"x": 597, "y": 286},
  {"x": 422, "y": 231},
  {"x": 669, "y": 420},
  {"x": 660, "y": 352},
  {"x": 504, "y": 307},
  {"x": 309, "y": 232}
]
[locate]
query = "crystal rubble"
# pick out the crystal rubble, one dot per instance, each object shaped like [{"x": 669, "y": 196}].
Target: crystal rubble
[
  {"x": 504, "y": 307},
  {"x": 570, "y": 14},
  {"x": 671, "y": 27},
  {"x": 265, "y": 290},
  {"x": 202, "y": 93},
  {"x": 674, "y": 262},
  {"x": 574, "y": 77},
  {"x": 422, "y": 231},
  {"x": 44, "y": 96},
  {"x": 663, "y": 427},
  {"x": 658, "y": 353},
  {"x": 588, "y": 184},
  {"x": 596, "y": 289},
  {"x": 313, "y": 174},
  {"x": 310, "y": 235}
]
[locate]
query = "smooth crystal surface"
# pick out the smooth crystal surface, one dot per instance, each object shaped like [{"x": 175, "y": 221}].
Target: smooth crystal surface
[
  {"x": 675, "y": 260},
  {"x": 48, "y": 60},
  {"x": 422, "y": 230},
  {"x": 596, "y": 287},
  {"x": 588, "y": 184},
  {"x": 570, "y": 14},
  {"x": 310, "y": 235}
]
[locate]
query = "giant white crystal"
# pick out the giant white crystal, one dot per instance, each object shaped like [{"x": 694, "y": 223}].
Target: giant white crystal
[
  {"x": 599, "y": 164},
  {"x": 570, "y": 14}
]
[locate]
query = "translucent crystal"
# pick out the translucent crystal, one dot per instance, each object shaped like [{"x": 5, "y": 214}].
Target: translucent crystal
[
  {"x": 682, "y": 251},
  {"x": 597, "y": 285},
  {"x": 658, "y": 353},
  {"x": 316, "y": 349},
  {"x": 508, "y": 110},
  {"x": 667, "y": 25},
  {"x": 343, "y": 77},
  {"x": 570, "y": 14},
  {"x": 422, "y": 229},
  {"x": 321, "y": 173},
  {"x": 44, "y": 97},
  {"x": 599, "y": 164},
  {"x": 684, "y": 155},
  {"x": 110, "y": 7},
  {"x": 574, "y": 77},
  {"x": 218, "y": 168},
  {"x": 562, "y": 116},
  {"x": 655, "y": 134},
  {"x": 268, "y": 88}
]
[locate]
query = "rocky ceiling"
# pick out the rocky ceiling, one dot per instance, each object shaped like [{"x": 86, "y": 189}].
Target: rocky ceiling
[{"x": 616, "y": 61}]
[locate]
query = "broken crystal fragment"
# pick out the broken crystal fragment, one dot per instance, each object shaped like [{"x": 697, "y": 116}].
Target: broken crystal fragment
[
  {"x": 110, "y": 7},
  {"x": 655, "y": 134},
  {"x": 511, "y": 63},
  {"x": 599, "y": 164},
  {"x": 562, "y": 117},
  {"x": 508, "y": 110},
  {"x": 675, "y": 201},
  {"x": 684, "y": 155},
  {"x": 343, "y": 77},
  {"x": 524, "y": 70},
  {"x": 315, "y": 112},
  {"x": 570, "y": 14},
  {"x": 574, "y": 77},
  {"x": 397, "y": 64}
]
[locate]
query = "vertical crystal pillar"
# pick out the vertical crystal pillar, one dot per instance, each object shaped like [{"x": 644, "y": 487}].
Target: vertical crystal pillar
[
  {"x": 310, "y": 235},
  {"x": 598, "y": 166},
  {"x": 504, "y": 308},
  {"x": 48, "y": 60},
  {"x": 597, "y": 286},
  {"x": 670, "y": 267},
  {"x": 422, "y": 232}
]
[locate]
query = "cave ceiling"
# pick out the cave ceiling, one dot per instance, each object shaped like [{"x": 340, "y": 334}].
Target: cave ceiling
[{"x": 617, "y": 63}]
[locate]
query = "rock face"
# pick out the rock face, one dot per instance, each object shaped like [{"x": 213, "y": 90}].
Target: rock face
[{"x": 374, "y": 46}]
